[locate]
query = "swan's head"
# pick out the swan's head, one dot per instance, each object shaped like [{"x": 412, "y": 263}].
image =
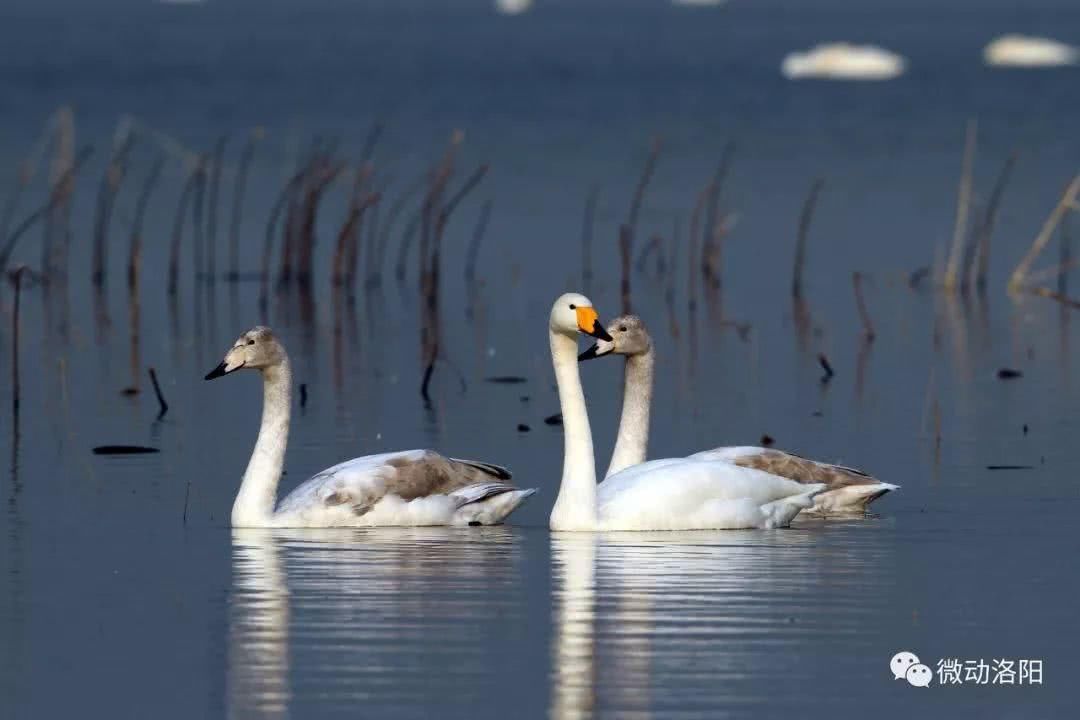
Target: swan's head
[
  {"x": 629, "y": 336},
  {"x": 573, "y": 313},
  {"x": 257, "y": 349}
]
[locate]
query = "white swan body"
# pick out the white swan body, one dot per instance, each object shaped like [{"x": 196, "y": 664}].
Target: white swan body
[
  {"x": 843, "y": 61},
  {"x": 672, "y": 494},
  {"x": 412, "y": 487},
  {"x": 847, "y": 490},
  {"x": 1029, "y": 52}
]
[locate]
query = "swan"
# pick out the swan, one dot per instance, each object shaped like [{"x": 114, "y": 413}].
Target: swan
[
  {"x": 843, "y": 61},
  {"x": 1029, "y": 52},
  {"x": 848, "y": 490},
  {"x": 411, "y": 487},
  {"x": 673, "y": 494}
]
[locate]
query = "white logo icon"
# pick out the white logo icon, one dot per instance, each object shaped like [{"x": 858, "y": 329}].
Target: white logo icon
[
  {"x": 901, "y": 662},
  {"x": 919, "y": 675}
]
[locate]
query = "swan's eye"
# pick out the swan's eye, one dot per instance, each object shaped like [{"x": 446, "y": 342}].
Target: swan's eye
[
  {"x": 622, "y": 328},
  {"x": 573, "y": 306},
  {"x": 250, "y": 341}
]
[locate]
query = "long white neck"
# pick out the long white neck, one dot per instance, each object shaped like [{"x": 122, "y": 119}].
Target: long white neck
[
  {"x": 632, "y": 444},
  {"x": 575, "y": 508},
  {"x": 254, "y": 506}
]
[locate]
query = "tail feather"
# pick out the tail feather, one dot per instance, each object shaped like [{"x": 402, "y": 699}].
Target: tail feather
[
  {"x": 851, "y": 498},
  {"x": 496, "y": 471}
]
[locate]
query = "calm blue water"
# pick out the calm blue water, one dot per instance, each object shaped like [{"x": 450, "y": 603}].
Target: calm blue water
[{"x": 123, "y": 593}]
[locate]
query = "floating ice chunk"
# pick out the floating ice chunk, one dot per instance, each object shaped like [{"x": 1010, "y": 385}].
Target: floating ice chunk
[
  {"x": 843, "y": 61},
  {"x": 1026, "y": 51}
]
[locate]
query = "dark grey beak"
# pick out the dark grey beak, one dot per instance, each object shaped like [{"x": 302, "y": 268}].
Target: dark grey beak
[
  {"x": 594, "y": 352},
  {"x": 598, "y": 331},
  {"x": 217, "y": 372}
]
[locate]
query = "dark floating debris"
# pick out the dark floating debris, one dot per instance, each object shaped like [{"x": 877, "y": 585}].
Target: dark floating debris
[
  {"x": 506, "y": 380},
  {"x": 1009, "y": 374},
  {"x": 767, "y": 441},
  {"x": 1025, "y": 428},
  {"x": 555, "y": 419},
  {"x": 826, "y": 366},
  {"x": 817, "y": 413},
  {"x": 303, "y": 395},
  {"x": 523, "y": 428},
  {"x": 1010, "y": 467},
  {"x": 129, "y": 391},
  {"x": 524, "y": 398},
  {"x": 124, "y": 450}
]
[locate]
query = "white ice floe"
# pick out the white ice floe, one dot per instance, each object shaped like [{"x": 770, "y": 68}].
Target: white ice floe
[
  {"x": 1029, "y": 52},
  {"x": 513, "y": 7},
  {"x": 843, "y": 61}
]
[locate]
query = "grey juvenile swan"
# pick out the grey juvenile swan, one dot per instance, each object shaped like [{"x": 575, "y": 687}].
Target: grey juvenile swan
[
  {"x": 847, "y": 490},
  {"x": 411, "y": 487}
]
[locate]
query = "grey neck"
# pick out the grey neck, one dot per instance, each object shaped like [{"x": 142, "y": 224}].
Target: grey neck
[{"x": 632, "y": 444}]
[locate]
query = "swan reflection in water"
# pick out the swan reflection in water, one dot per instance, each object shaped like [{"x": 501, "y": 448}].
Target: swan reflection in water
[
  {"x": 453, "y": 622},
  {"x": 657, "y": 623},
  {"x": 381, "y": 617}
]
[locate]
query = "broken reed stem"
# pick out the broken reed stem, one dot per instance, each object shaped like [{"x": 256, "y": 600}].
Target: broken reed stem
[
  {"x": 22, "y": 179},
  {"x": 391, "y": 219},
  {"x": 655, "y": 246},
  {"x": 1059, "y": 297},
  {"x": 1066, "y": 203},
  {"x": 178, "y": 228},
  {"x": 135, "y": 245},
  {"x": 711, "y": 249},
  {"x": 408, "y": 237},
  {"x": 327, "y": 173},
  {"x": 860, "y": 303},
  {"x": 349, "y": 229},
  {"x": 953, "y": 280},
  {"x": 627, "y": 230},
  {"x": 198, "y": 232},
  {"x": 54, "y": 251},
  {"x": 15, "y": 389},
  {"x": 372, "y": 139},
  {"x": 693, "y": 265},
  {"x": 1064, "y": 256},
  {"x": 247, "y": 155},
  {"x": 163, "y": 407},
  {"x": 214, "y": 191},
  {"x": 60, "y": 190},
  {"x": 981, "y": 264},
  {"x": 472, "y": 254},
  {"x": 110, "y": 186},
  {"x": 643, "y": 185},
  {"x": 431, "y": 287},
  {"x": 626, "y": 243},
  {"x": 371, "y": 202},
  {"x": 283, "y": 199},
  {"x": 588, "y": 226},
  {"x": 805, "y": 218},
  {"x": 669, "y": 283}
]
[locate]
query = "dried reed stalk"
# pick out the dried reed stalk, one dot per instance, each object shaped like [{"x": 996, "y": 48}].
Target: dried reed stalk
[
  {"x": 952, "y": 280},
  {"x": 805, "y": 218},
  {"x": 1066, "y": 203}
]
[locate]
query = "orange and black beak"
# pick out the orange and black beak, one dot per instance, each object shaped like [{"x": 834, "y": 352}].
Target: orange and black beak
[{"x": 588, "y": 322}]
